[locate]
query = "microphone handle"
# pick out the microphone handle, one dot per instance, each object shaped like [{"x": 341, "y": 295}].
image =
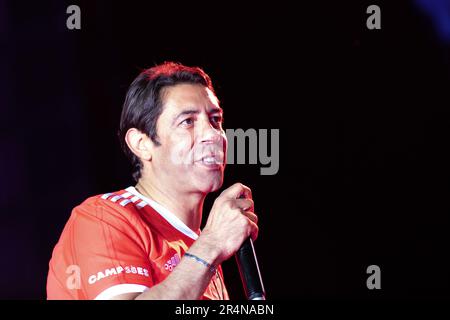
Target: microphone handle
[{"x": 249, "y": 271}]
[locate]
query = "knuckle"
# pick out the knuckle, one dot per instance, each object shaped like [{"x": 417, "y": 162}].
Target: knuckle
[{"x": 238, "y": 185}]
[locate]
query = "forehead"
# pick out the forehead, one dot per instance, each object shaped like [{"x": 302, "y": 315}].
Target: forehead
[{"x": 182, "y": 96}]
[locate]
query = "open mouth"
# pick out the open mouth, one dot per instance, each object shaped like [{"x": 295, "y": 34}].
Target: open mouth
[{"x": 211, "y": 160}]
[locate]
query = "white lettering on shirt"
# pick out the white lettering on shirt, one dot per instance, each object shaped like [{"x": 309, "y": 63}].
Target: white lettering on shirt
[{"x": 117, "y": 270}]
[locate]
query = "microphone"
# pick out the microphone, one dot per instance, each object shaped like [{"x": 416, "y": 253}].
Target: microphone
[{"x": 249, "y": 270}]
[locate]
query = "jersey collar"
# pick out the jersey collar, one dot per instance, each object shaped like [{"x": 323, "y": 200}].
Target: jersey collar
[{"x": 165, "y": 213}]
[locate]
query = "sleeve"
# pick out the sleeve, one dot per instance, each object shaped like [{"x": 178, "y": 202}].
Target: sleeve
[{"x": 109, "y": 252}]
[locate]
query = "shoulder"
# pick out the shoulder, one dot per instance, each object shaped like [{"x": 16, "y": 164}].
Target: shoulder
[
  {"x": 107, "y": 241},
  {"x": 112, "y": 211},
  {"x": 105, "y": 220},
  {"x": 108, "y": 207}
]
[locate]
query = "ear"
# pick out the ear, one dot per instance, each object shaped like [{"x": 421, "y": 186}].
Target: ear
[{"x": 140, "y": 144}]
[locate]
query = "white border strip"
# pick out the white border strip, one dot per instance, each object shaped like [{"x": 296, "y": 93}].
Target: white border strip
[
  {"x": 166, "y": 214},
  {"x": 120, "y": 289}
]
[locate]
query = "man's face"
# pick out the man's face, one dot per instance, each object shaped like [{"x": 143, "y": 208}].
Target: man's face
[{"x": 192, "y": 153}]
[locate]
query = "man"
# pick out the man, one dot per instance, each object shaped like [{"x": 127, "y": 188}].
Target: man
[{"x": 144, "y": 242}]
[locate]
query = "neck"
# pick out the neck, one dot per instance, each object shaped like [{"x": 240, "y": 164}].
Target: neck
[{"x": 186, "y": 206}]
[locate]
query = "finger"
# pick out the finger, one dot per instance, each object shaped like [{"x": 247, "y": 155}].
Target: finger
[
  {"x": 254, "y": 230},
  {"x": 251, "y": 215},
  {"x": 246, "y": 193},
  {"x": 244, "y": 204},
  {"x": 237, "y": 190}
]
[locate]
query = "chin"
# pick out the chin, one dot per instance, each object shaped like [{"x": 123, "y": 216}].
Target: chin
[
  {"x": 217, "y": 186},
  {"x": 207, "y": 179},
  {"x": 211, "y": 185}
]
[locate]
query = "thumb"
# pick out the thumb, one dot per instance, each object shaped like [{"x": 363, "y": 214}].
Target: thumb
[{"x": 237, "y": 190}]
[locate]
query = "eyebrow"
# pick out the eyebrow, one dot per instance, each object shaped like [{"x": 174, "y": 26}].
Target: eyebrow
[{"x": 195, "y": 111}]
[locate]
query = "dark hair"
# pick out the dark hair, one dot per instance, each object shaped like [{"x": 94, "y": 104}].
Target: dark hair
[{"x": 143, "y": 102}]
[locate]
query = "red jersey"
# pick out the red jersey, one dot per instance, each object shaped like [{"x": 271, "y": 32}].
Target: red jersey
[{"x": 119, "y": 243}]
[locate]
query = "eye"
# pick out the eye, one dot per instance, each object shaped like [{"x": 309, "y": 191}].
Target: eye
[
  {"x": 217, "y": 120},
  {"x": 187, "y": 122}
]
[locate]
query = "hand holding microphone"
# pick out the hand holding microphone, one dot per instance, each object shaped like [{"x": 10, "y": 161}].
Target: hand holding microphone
[{"x": 230, "y": 229}]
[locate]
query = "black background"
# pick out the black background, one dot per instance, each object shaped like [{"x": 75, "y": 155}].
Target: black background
[{"x": 363, "y": 118}]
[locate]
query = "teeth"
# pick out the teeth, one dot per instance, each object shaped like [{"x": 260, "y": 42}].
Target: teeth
[{"x": 209, "y": 160}]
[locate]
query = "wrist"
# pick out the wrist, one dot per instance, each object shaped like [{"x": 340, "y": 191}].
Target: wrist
[
  {"x": 206, "y": 248},
  {"x": 211, "y": 267}
]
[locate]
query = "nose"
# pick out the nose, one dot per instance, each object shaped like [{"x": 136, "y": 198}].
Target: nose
[{"x": 210, "y": 134}]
